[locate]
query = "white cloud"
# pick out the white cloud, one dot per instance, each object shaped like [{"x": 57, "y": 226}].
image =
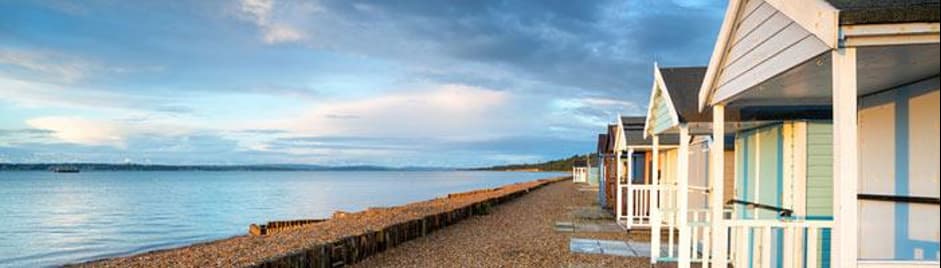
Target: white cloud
[
  {"x": 259, "y": 10},
  {"x": 113, "y": 132},
  {"x": 81, "y": 130},
  {"x": 447, "y": 110},
  {"x": 47, "y": 65},
  {"x": 261, "y": 13},
  {"x": 281, "y": 34}
]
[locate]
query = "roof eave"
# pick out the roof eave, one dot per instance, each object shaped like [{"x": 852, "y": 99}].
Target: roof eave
[{"x": 816, "y": 16}]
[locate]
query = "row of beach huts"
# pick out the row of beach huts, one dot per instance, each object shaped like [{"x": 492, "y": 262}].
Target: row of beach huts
[{"x": 810, "y": 140}]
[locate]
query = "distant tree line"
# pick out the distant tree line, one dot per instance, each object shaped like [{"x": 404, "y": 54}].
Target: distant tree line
[{"x": 565, "y": 164}]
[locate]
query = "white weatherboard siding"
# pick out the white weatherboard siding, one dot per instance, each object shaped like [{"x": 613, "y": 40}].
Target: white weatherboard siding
[
  {"x": 662, "y": 118},
  {"x": 764, "y": 43}
]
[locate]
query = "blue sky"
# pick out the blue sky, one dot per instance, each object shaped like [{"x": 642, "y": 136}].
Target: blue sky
[{"x": 421, "y": 83}]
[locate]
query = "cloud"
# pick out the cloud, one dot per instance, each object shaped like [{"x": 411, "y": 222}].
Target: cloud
[
  {"x": 45, "y": 65},
  {"x": 445, "y": 110},
  {"x": 28, "y": 93},
  {"x": 260, "y": 12},
  {"x": 80, "y": 130},
  {"x": 281, "y": 34},
  {"x": 407, "y": 82}
]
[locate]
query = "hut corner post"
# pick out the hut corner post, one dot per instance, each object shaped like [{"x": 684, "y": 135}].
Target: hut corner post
[
  {"x": 654, "y": 203},
  {"x": 845, "y": 158},
  {"x": 618, "y": 191},
  {"x": 682, "y": 192},
  {"x": 630, "y": 188},
  {"x": 717, "y": 160}
]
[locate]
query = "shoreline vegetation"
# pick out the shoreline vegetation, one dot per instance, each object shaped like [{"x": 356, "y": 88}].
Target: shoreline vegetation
[
  {"x": 553, "y": 165},
  {"x": 345, "y": 238}
]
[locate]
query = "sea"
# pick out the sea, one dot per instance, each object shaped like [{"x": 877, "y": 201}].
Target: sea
[{"x": 50, "y": 219}]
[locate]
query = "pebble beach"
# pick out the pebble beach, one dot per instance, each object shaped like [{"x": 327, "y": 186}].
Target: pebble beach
[{"x": 516, "y": 234}]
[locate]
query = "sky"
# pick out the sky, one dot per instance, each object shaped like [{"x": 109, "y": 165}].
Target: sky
[{"x": 393, "y": 83}]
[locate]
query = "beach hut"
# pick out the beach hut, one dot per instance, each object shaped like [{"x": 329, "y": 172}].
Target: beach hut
[
  {"x": 636, "y": 171},
  {"x": 608, "y": 185},
  {"x": 600, "y": 154},
  {"x": 596, "y": 161},
  {"x": 683, "y": 194},
  {"x": 842, "y": 168},
  {"x": 580, "y": 170}
]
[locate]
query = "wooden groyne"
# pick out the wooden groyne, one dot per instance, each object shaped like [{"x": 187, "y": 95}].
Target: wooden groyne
[
  {"x": 354, "y": 248},
  {"x": 278, "y": 226}
]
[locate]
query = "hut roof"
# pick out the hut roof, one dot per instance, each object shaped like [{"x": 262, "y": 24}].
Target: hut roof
[
  {"x": 854, "y": 12},
  {"x": 683, "y": 84},
  {"x": 634, "y": 132}
]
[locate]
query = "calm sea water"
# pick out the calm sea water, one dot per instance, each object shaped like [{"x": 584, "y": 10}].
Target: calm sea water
[{"x": 56, "y": 218}]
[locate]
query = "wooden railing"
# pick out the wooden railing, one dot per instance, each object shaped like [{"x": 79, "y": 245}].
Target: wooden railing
[
  {"x": 750, "y": 242},
  {"x": 637, "y": 199}
]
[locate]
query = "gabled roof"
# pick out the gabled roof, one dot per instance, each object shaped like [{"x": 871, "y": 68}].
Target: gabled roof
[
  {"x": 825, "y": 19},
  {"x": 634, "y": 132},
  {"x": 854, "y": 12},
  {"x": 683, "y": 85}
]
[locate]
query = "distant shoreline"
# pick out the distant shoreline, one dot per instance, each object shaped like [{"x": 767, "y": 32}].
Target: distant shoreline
[
  {"x": 265, "y": 167},
  {"x": 146, "y": 167}
]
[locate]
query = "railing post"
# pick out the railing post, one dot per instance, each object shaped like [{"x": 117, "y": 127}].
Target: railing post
[
  {"x": 717, "y": 161},
  {"x": 742, "y": 246},
  {"x": 845, "y": 158},
  {"x": 682, "y": 197},
  {"x": 812, "y": 248},
  {"x": 630, "y": 207},
  {"x": 654, "y": 204},
  {"x": 765, "y": 246},
  {"x": 788, "y": 259}
]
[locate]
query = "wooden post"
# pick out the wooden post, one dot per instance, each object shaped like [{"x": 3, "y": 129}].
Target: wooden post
[
  {"x": 682, "y": 197},
  {"x": 619, "y": 206},
  {"x": 845, "y": 159},
  {"x": 717, "y": 160},
  {"x": 630, "y": 184},
  {"x": 654, "y": 204},
  {"x": 617, "y": 170}
]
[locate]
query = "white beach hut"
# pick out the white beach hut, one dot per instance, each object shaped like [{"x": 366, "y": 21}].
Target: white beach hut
[{"x": 849, "y": 95}]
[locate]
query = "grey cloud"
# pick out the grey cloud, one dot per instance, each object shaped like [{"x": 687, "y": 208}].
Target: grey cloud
[
  {"x": 27, "y": 131},
  {"x": 601, "y": 46}
]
